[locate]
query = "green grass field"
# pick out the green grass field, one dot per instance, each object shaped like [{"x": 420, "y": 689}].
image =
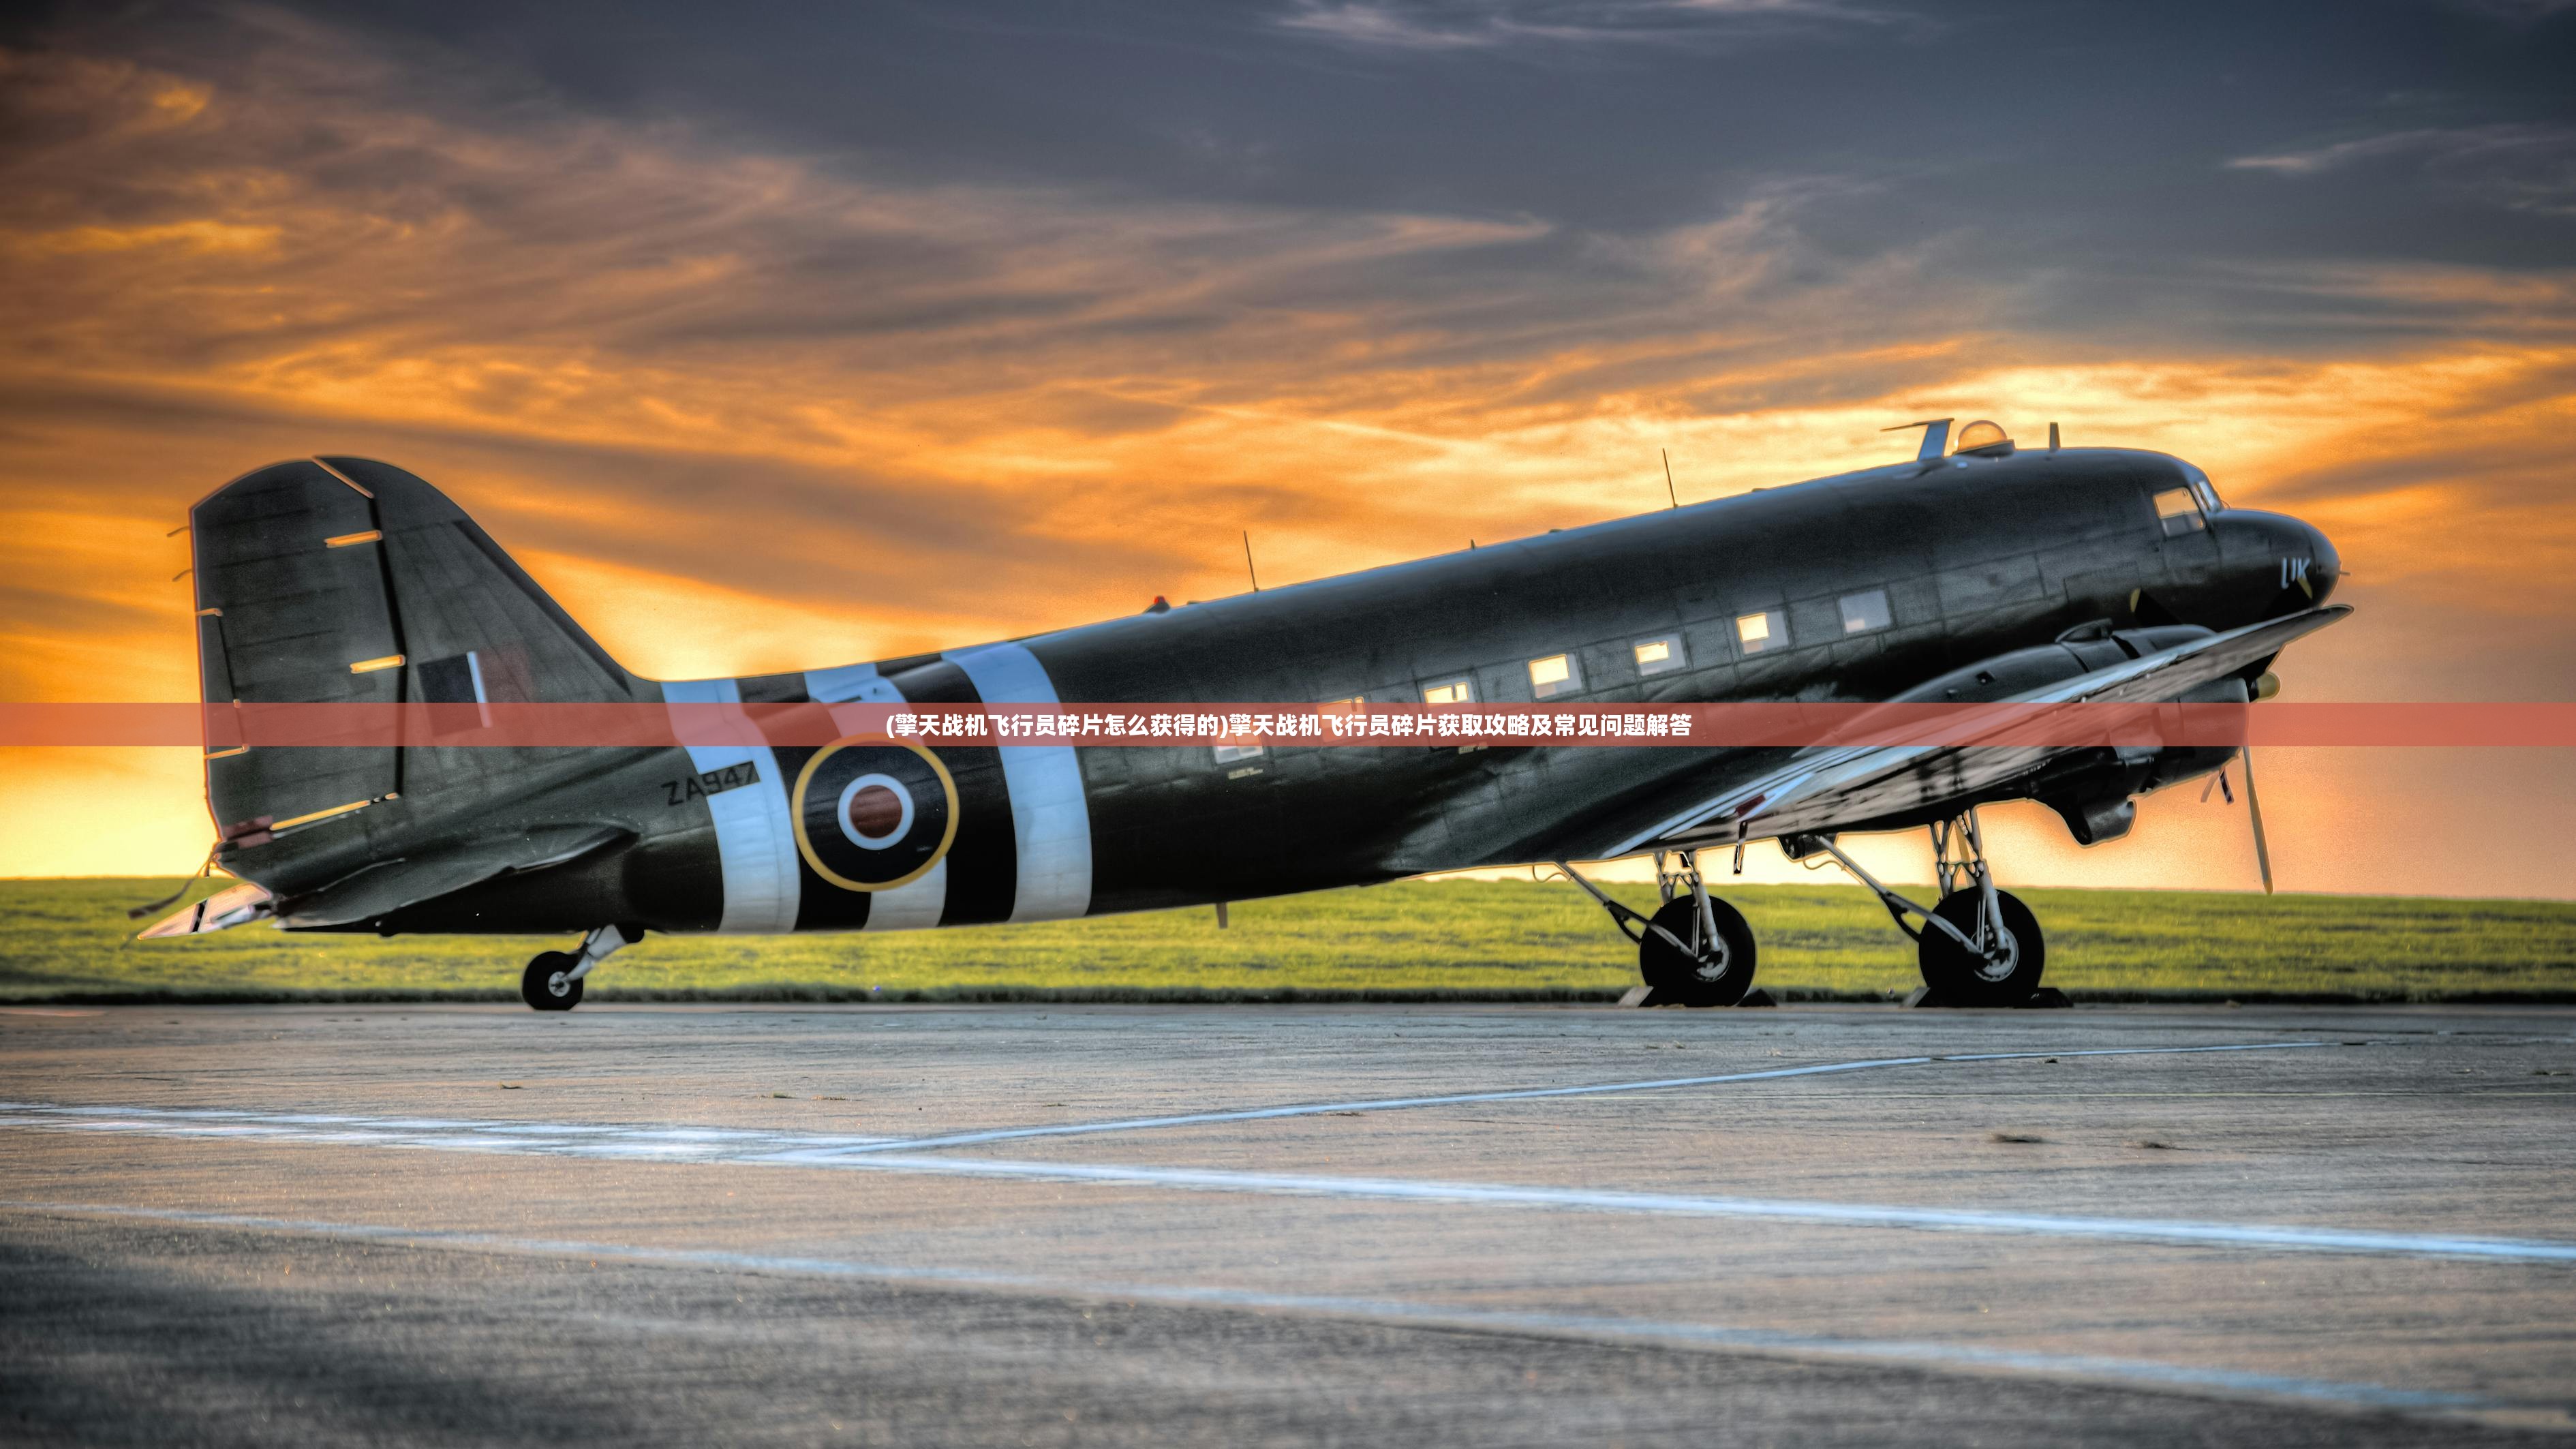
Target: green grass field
[{"x": 67, "y": 938}]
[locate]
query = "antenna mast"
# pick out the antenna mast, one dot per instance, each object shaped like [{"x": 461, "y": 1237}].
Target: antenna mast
[
  {"x": 1668, "y": 477},
  {"x": 1247, "y": 561},
  {"x": 1936, "y": 436}
]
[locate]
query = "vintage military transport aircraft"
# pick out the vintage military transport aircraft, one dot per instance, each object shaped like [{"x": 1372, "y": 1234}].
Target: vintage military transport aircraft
[{"x": 1983, "y": 573}]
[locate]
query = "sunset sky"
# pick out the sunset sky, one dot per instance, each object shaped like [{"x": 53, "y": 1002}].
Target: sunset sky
[{"x": 770, "y": 337}]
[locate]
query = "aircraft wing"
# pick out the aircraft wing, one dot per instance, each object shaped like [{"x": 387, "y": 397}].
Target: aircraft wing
[{"x": 1821, "y": 788}]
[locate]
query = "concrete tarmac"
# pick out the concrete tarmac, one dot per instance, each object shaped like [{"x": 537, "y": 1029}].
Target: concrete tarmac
[{"x": 1101, "y": 1225}]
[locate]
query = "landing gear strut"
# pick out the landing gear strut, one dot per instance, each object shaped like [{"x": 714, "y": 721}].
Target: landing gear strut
[
  {"x": 1980, "y": 946},
  {"x": 1695, "y": 950},
  {"x": 553, "y": 980}
]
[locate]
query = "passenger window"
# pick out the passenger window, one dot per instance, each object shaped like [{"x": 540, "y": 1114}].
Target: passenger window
[
  {"x": 1554, "y": 675},
  {"x": 1661, "y": 654},
  {"x": 1231, "y": 754},
  {"x": 1449, "y": 691},
  {"x": 2179, "y": 512},
  {"x": 1865, "y": 611},
  {"x": 1766, "y": 630}
]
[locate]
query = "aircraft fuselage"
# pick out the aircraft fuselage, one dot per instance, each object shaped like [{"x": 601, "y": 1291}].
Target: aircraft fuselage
[{"x": 1852, "y": 588}]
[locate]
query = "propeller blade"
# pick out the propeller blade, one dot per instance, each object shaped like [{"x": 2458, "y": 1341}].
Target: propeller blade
[{"x": 2254, "y": 808}]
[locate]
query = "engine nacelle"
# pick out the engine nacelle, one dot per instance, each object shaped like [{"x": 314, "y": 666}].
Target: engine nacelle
[
  {"x": 2093, "y": 791},
  {"x": 2077, "y": 651},
  {"x": 2096, "y": 819}
]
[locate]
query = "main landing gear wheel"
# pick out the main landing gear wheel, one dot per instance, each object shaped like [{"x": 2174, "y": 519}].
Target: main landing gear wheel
[
  {"x": 1970, "y": 956},
  {"x": 2004, "y": 974},
  {"x": 1688, "y": 958},
  {"x": 545, "y": 984},
  {"x": 1717, "y": 971}
]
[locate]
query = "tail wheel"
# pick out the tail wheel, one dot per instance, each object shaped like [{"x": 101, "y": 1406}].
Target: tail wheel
[
  {"x": 1717, "y": 971},
  {"x": 2003, "y": 975},
  {"x": 546, "y": 987}
]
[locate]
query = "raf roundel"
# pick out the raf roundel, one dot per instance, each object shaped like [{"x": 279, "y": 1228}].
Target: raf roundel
[{"x": 872, "y": 813}]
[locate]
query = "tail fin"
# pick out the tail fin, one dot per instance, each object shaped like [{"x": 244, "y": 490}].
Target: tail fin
[{"x": 345, "y": 579}]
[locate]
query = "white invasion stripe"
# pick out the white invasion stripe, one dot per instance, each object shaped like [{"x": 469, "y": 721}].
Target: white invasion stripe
[
  {"x": 1704, "y": 1336},
  {"x": 1048, "y": 811},
  {"x": 1523, "y": 1094},
  {"x": 850, "y": 684},
  {"x": 755, "y": 845},
  {"x": 918, "y": 905},
  {"x": 914, "y": 906}
]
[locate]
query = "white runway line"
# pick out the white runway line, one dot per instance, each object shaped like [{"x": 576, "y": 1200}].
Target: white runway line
[
  {"x": 1832, "y": 1214},
  {"x": 1524, "y": 1094},
  {"x": 577, "y": 1139},
  {"x": 830, "y": 1152},
  {"x": 2093, "y": 1368},
  {"x": 709, "y": 1144}
]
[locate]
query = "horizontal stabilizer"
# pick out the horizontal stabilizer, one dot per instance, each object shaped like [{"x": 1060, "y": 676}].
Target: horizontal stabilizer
[
  {"x": 237, "y": 905},
  {"x": 387, "y": 886}
]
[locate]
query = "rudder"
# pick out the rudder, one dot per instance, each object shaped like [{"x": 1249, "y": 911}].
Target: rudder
[{"x": 348, "y": 580}]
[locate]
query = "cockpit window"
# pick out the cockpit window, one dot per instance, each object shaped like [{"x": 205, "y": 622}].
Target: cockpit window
[
  {"x": 2198, "y": 483},
  {"x": 2178, "y": 510}
]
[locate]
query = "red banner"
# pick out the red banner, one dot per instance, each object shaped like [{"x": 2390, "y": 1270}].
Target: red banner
[{"x": 658, "y": 726}]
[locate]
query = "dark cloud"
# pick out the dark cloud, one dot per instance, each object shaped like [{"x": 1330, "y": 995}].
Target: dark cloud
[
  {"x": 2087, "y": 136},
  {"x": 2516, "y": 167},
  {"x": 1555, "y": 26}
]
